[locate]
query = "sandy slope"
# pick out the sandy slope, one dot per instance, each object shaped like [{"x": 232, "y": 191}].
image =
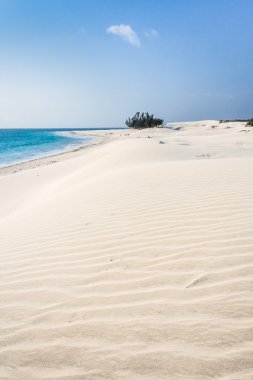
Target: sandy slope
[{"x": 131, "y": 261}]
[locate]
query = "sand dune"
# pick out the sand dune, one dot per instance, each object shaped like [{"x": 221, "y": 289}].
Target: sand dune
[{"x": 132, "y": 260}]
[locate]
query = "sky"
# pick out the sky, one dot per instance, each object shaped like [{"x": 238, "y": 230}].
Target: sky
[{"x": 93, "y": 63}]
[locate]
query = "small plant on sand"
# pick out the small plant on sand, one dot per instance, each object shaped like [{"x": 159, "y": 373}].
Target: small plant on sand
[
  {"x": 143, "y": 120},
  {"x": 250, "y": 122}
]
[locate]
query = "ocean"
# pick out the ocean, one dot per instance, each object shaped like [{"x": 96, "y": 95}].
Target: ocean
[{"x": 19, "y": 145}]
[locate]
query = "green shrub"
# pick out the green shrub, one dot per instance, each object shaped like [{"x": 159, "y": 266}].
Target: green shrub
[
  {"x": 143, "y": 120},
  {"x": 250, "y": 121}
]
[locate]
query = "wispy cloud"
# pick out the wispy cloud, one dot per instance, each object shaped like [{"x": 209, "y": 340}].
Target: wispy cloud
[
  {"x": 126, "y": 33},
  {"x": 151, "y": 33}
]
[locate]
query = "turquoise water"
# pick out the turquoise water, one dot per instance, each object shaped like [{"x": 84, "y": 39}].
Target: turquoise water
[{"x": 18, "y": 145}]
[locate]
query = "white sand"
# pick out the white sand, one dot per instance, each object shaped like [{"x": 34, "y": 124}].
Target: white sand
[{"x": 132, "y": 259}]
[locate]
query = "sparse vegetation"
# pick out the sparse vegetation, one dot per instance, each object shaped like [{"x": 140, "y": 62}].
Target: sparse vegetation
[
  {"x": 250, "y": 122},
  {"x": 143, "y": 120},
  {"x": 237, "y": 120}
]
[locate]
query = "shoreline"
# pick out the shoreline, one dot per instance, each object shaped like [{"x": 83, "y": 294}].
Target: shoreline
[
  {"x": 176, "y": 130},
  {"x": 57, "y": 157},
  {"x": 103, "y": 136}
]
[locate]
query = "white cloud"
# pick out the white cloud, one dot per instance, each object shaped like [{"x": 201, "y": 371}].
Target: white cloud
[
  {"x": 152, "y": 33},
  {"x": 126, "y": 32}
]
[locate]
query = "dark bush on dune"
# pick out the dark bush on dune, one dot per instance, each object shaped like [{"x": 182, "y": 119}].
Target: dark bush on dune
[
  {"x": 143, "y": 120},
  {"x": 250, "y": 122}
]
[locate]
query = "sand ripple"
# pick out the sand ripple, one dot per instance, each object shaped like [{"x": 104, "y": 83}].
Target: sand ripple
[{"x": 140, "y": 272}]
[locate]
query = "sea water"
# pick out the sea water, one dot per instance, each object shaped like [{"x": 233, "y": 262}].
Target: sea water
[{"x": 19, "y": 145}]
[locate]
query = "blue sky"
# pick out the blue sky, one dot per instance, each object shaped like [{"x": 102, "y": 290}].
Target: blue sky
[{"x": 92, "y": 63}]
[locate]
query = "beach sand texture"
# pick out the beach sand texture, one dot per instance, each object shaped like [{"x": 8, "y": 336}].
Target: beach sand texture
[{"x": 132, "y": 260}]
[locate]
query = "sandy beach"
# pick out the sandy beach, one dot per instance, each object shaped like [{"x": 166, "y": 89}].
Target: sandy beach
[{"x": 131, "y": 259}]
